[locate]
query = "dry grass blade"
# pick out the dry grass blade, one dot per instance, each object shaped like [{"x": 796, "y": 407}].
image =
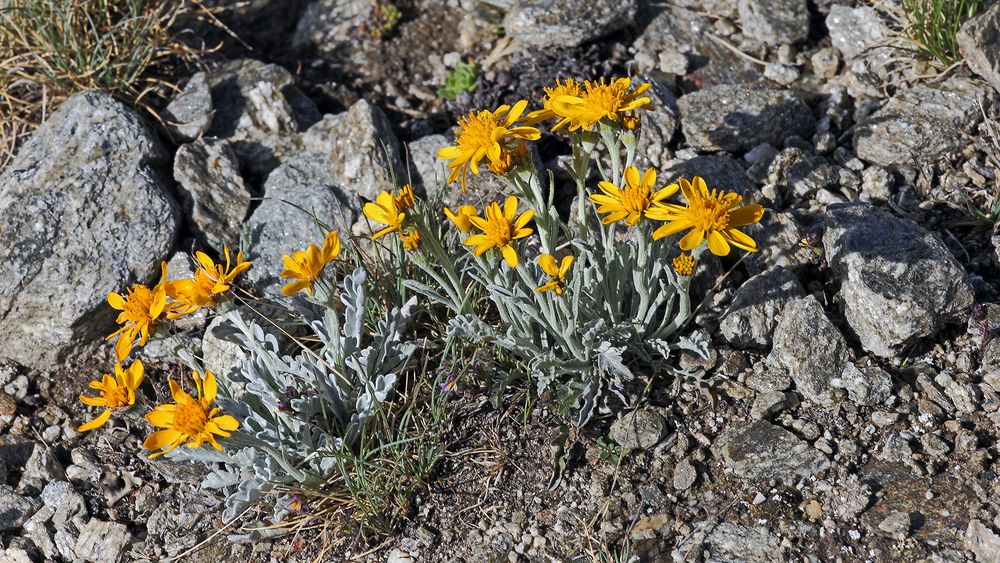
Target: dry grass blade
[{"x": 52, "y": 49}]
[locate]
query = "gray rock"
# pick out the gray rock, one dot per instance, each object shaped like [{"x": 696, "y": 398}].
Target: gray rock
[
  {"x": 865, "y": 386},
  {"x": 782, "y": 74},
  {"x": 719, "y": 171},
  {"x": 810, "y": 348},
  {"x": 751, "y": 318},
  {"x": 260, "y": 110},
  {"x": 329, "y": 25},
  {"x": 775, "y": 21},
  {"x": 852, "y": 30},
  {"x": 219, "y": 354},
  {"x": 638, "y": 430},
  {"x": 738, "y": 117},
  {"x": 684, "y": 475},
  {"x": 189, "y": 114},
  {"x": 766, "y": 405},
  {"x": 215, "y": 197},
  {"x": 876, "y": 184},
  {"x": 15, "y": 509},
  {"x": 566, "y": 23},
  {"x": 83, "y": 212},
  {"x": 825, "y": 62},
  {"x": 65, "y": 503},
  {"x": 363, "y": 151},
  {"x": 762, "y": 452},
  {"x": 726, "y": 542},
  {"x": 977, "y": 42},
  {"x": 899, "y": 283},
  {"x": 982, "y": 542},
  {"x": 14, "y": 555},
  {"x": 428, "y": 171},
  {"x": 284, "y": 222},
  {"x": 783, "y": 233},
  {"x": 40, "y": 468},
  {"x": 960, "y": 396},
  {"x": 923, "y": 123},
  {"x": 895, "y": 523},
  {"x": 102, "y": 542},
  {"x": 658, "y": 127},
  {"x": 811, "y": 175},
  {"x": 675, "y": 41}
]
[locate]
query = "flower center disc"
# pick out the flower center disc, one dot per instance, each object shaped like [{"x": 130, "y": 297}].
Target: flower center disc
[
  {"x": 190, "y": 419},
  {"x": 710, "y": 213}
]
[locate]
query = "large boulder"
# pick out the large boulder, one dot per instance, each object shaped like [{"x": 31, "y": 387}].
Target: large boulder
[
  {"x": 738, "y": 117},
  {"x": 82, "y": 212},
  {"x": 977, "y": 41},
  {"x": 212, "y": 189},
  {"x": 899, "y": 283},
  {"x": 567, "y": 23}
]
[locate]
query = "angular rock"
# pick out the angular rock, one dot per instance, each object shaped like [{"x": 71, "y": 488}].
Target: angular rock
[
  {"x": 15, "y": 509},
  {"x": 768, "y": 404},
  {"x": 810, "y": 348},
  {"x": 719, "y": 171},
  {"x": 738, "y": 117},
  {"x": 82, "y": 212},
  {"x": 775, "y": 21},
  {"x": 899, "y": 283},
  {"x": 429, "y": 171},
  {"x": 63, "y": 500},
  {"x": 14, "y": 555},
  {"x": 658, "y": 127},
  {"x": 260, "y": 110},
  {"x": 215, "y": 197},
  {"x": 40, "y": 469},
  {"x": 865, "y": 386},
  {"x": 811, "y": 175},
  {"x": 684, "y": 475},
  {"x": 328, "y": 25},
  {"x": 762, "y": 452},
  {"x": 363, "y": 152},
  {"x": 923, "y": 123},
  {"x": 783, "y": 233},
  {"x": 189, "y": 114},
  {"x": 852, "y": 30},
  {"x": 977, "y": 42},
  {"x": 982, "y": 542},
  {"x": 219, "y": 354},
  {"x": 638, "y": 430},
  {"x": 284, "y": 222},
  {"x": 751, "y": 318},
  {"x": 102, "y": 542},
  {"x": 566, "y": 23}
]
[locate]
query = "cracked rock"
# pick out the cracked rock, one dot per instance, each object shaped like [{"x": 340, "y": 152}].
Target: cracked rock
[
  {"x": 763, "y": 451},
  {"x": 810, "y": 349},
  {"x": 751, "y": 318}
]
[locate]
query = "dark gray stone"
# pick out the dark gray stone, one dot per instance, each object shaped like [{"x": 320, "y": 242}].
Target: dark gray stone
[
  {"x": 658, "y": 127},
  {"x": 15, "y": 509},
  {"x": 82, "y": 212},
  {"x": 977, "y": 41},
  {"x": 566, "y": 23},
  {"x": 738, "y": 117},
  {"x": 899, "y": 283},
  {"x": 363, "y": 151},
  {"x": 215, "y": 197},
  {"x": 329, "y": 25},
  {"x": 751, "y": 318},
  {"x": 923, "y": 124},
  {"x": 763, "y": 452},
  {"x": 189, "y": 114},
  {"x": 865, "y": 386},
  {"x": 775, "y": 21},
  {"x": 284, "y": 222},
  {"x": 719, "y": 171},
  {"x": 638, "y": 430},
  {"x": 810, "y": 349}
]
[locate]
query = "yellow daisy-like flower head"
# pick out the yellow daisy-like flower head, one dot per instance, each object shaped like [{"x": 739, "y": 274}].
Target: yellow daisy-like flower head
[
  {"x": 485, "y": 134},
  {"x": 599, "y": 100},
  {"x": 140, "y": 308},
  {"x": 404, "y": 198},
  {"x": 462, "y": 218},
  {"x": 411, "y": 240},
  {"x": 386, "y": 211},
  {"x": 306, "y": 266},
  {"x": 568, "y": 87},
  {"x": 509, "y": 159},
  {"x": 683, "y": 264},
  {"x": 556, "y": 272},
  {"x": 116, "y": 392},
  {"x": 209, "y": 280},
  {"x": 500, "y": 229},
  {"x": 189, "y": 419},
  {"x": 632, "y": 202},
  {"x": 713, "y": 215}
]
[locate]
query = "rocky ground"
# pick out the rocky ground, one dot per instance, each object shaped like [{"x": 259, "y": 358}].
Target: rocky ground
[{"x": 854, "y": 394}]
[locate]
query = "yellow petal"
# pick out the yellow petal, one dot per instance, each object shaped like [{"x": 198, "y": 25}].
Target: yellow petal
[
  {"x": 718, "y": 244},
  {"x": 691, "y": 240},
  {"x": 96, "y": 423},
  {"x": 162, "y": 438},
  {"x": 209, "y": 387},
  {"x": 510, "y": 255},
  {"x": 548, "y": 264}
]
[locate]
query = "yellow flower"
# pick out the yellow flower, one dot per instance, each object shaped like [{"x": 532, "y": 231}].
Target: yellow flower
[
  {"x": 632, "y": 122},
  {"x": 405, "y": 199},
  {"x": 411, "y": 240},
  {"x": 116, "y": 392},
  {"x": 140, "y": 308},
  {"x": 683, "y": 264},
  {"x": 500, "y": 229},
  {"x": 189, "y": 419},
  {"x": 633, "y": 202},
  {"x": 599, "y": 101},
  {"x": 209, "y": 280},
  {"x": 509, "y": 159},
  {"x": 307, "y": 265},
  {"x": 385, "y": 210},
  {"x": 485, "y": 134},
  {"x": 569, "y": 87},
  {"x": 462, "y": 218},
  {"x": 557, "y": 273},
  {"x": 708, "y": 214}
]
